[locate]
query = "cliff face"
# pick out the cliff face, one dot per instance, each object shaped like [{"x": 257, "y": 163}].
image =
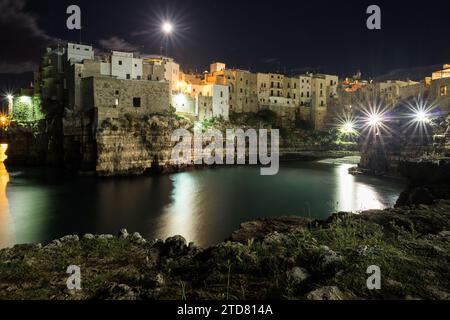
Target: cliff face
[
  {"x": 135, "y": 145},
  {"x": 387, "y": 154},
  {"x": 32, "y": 145},
  {"x": 384, "y": 158}
]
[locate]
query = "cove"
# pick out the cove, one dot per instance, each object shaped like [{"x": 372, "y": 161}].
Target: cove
[{"x": 204, "y": 206}]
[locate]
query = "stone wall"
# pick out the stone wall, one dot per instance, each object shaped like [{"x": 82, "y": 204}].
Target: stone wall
[
  {"x": 286, "y": 116},
  {"x": 132, "y": 145},
  {"x": 113, "y": 98},
  {"x": 27, "y": 146}
]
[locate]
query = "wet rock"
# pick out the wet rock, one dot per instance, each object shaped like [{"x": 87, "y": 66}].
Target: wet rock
[
  {"x": 259, "y": 229},
  {"x": 175, "y": 246},
  {"x": 70, "y": 238},
  {"x": 54, "y": 244},
  {"x": 192, "y": 248},
  {"x": 123, "y": 234},
  {"x": 438, "y": 293},
  {"x": 88, "y": 236},
  {"x": 298, "y": 275},
  {"x": 159, "y": 279},
  {"x": 121, "y": 292},
  {"x": 136, "y": 236},
  {"x": 325, "y": 293},
  {"x": 106, "y": 237},
  {"x": 330, "y": 260}
]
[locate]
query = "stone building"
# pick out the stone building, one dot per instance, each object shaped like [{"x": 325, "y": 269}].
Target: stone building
[
  {"x": 291, "y": 98},
  {"x": 114, "y": 98},
  {"x": 440, "y": 88}
]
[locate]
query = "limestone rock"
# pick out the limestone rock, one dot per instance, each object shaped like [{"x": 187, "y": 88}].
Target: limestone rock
[
  {"x": 298, "y": 275},
  {"x": 326, "y": 293},
  {"x": 123, "y": 234}
]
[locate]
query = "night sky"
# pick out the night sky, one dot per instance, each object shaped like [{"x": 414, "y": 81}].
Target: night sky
[{"x": 283, "y": 35}]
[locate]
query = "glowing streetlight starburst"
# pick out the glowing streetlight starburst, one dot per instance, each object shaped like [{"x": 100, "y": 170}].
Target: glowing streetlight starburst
[
  {"x": 420, "y": 113},
  {"x": 374, "y": 117},
  {"x": 348, "y": 128},
  {"x": 346, "y": 124},
  {"x": 421, "y": 116},
  {"x": 375, "y": 120},
  {"x": 167, "y": 28}
]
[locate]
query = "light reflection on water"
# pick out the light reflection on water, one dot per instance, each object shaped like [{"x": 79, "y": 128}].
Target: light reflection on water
[
  {"x": 6, "y": 225},
  {"x": 203, "y": 206},
  {"x": 354, "y": 195}
]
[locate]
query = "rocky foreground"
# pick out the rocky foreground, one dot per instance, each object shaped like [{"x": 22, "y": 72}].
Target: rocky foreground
[{"x": 282, "y": 258}]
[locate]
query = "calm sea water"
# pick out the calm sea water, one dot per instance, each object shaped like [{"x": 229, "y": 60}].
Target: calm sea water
[{"x": 204, "y": 206}]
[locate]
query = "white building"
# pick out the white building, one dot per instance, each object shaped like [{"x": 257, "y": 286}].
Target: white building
[
  {"x": 220, "y": 99},
  {"x": 125, "y": 66},
  {"x": 77, "y": 53},
  {"x": 171, "y": 69}
]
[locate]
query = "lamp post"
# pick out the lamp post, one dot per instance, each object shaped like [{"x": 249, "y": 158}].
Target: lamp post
[{"x": 10, "y": 99}]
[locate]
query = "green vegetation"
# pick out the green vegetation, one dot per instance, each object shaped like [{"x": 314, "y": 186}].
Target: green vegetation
[
  {"x": 410, "y": 245},
  {"x": 27, "y": 109}
]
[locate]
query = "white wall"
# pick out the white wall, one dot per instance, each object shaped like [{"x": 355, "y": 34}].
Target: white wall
[
  {"x": 221, "y": 99},
  {"x": 76, "y": 53},
  {"x": 124, "y": 66},
  {"x": 172, "y": 73}
]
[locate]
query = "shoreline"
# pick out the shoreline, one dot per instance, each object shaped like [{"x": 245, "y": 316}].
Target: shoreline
[{"x": 325, "y": 264}]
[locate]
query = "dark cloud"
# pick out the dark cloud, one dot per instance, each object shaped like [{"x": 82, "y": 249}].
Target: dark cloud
[
  {"x": 22, "y": 40},
  {"x": 118, "y": 44}
]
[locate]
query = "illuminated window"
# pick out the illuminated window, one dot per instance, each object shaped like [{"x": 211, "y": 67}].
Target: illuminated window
[{"x": 443, "y": 91}]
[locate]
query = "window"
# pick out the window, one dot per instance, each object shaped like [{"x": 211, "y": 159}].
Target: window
[
  {"x": 120, "y": 62},
  {"x": 307, "y": 94},
  {"x": 135, "y": 65},
  {"x": 117, "y": 92},
  {"x": 321, "y": 103},
  {"x": 443, "y": 91},
  {"x": 137, "y": 102},
  {"x": 221, "y": 94},
  {"x": 139, "y": 77},
  {"x": 128, "y": 76}
]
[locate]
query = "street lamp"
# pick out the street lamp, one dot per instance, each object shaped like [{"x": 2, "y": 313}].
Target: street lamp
[
  {"x": 421, "y": 116},
  {"x": 375, "y": 120},
  {"x": 348, "y": 127},
  {"x": 167, "y": 29}
]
